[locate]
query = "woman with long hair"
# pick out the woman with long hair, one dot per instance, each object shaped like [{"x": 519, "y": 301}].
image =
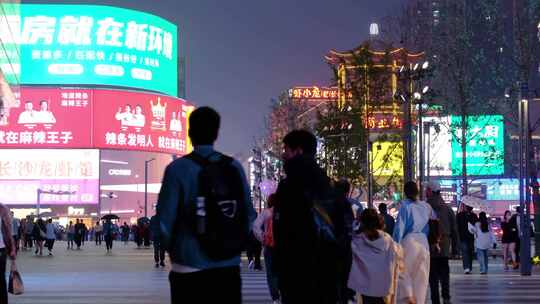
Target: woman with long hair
[
  {"x": 39, "y": 234},
  {"x": 411, "y": 231},
  {"x": 483, "y": 240},
  {"x": 509, "y": 239}
]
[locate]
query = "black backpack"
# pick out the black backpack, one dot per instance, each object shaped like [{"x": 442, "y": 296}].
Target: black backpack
[{"x": 225, "y": 222}]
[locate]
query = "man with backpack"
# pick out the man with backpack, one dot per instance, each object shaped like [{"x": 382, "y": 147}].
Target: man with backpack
[
  {"x": 205, "y": 214},
  {"x": 305, "y": 255},
  {"x": 447, "y": 243}
]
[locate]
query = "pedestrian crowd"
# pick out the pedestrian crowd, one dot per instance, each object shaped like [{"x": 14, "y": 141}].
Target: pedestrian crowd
[{"x": 319, "y": 243}]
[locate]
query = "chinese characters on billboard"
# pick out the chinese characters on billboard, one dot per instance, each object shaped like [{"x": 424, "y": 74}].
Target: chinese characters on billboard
[
  {"x": 93, "y": 44},
  {"x": 24, "y": 171},
  {"x": 380, "y": 119},
  {"x": 485, "y": 145},
  {"x": 136, "y": 121},
  {"x": 314, "y": 93},
  {"x": 95, "y": 118},
  {"x": 48, "y": 118},
  {"x": 384, "y": 121}
]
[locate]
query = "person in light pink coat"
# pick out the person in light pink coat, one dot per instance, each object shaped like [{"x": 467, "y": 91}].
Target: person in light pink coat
[{"x": 377, "y": 261}]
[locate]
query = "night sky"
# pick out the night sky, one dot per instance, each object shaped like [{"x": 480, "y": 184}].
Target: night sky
[{"x": 242, "y": 53}]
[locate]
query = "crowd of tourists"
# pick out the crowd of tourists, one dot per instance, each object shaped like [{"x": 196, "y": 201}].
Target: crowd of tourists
[{"x": 319, "y": 244}]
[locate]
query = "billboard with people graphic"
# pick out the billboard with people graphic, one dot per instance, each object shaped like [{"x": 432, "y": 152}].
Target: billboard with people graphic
[
  {"x": 139, "y": 121},
  {"x": 48, "y": 117},
  {"x": 96, "y": 118}
]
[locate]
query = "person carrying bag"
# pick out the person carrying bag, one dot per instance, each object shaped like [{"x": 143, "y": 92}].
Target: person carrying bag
[
  {"x": 15, "y": 285},
  {"x": 7, "y": 249}
]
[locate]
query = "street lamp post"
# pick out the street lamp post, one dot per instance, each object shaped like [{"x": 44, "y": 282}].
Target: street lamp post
[
  {"x": 524, "y": 180},
  {"x": 369, "y": 159},
  {"x": 427, "y": 131},
  {"x": 411, "y": 75},
  {"x": 146, "y": 162}
]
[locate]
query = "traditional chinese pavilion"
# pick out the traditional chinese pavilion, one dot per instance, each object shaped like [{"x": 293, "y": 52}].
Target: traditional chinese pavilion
[{"x": 387, "y": 114}]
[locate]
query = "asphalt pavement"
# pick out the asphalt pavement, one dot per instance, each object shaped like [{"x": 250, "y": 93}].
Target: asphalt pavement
[{"x": 127, "y": 275}]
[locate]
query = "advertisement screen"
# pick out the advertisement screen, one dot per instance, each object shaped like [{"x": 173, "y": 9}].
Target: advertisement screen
[
  {"x": 123, "y": 180},
  {"x": 48, "y": 117},
  {"x": 138, "y": 121},
  {"x": 94, "y": 44},
  {"x": 504, "y": 189},
  {"x": 387, "y": 158},
  {"x": 23, "y": 172},
  {"x": 95, "y": 118},
  {"x": 437, "y": 141},
  {"x": 485, "y": 145}
]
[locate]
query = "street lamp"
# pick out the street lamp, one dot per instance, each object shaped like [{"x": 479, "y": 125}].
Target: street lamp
[
  {"x": 146, "y": 162},
  {"x": 40, "y": 192},
  {"x": 524, "y": 178},
  {"x": 411, "y": 75}
]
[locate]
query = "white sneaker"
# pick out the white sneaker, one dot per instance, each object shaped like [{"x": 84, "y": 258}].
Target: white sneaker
[{"x": 467, "y": 271}]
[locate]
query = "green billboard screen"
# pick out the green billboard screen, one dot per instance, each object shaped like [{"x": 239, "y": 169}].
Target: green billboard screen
[
  {"x": 485, "y": 145},
  {"x": 97, "y": 45}
]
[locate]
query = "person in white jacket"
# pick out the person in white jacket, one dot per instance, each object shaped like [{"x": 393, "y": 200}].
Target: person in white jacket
[
  {"x": 262, "y": 229},
  {"x": 483, "y": 240},
  {"x": 377, "y": 261}
]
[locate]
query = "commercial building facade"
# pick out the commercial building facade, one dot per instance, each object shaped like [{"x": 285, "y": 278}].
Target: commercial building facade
[{"x": 95, "y": 116}]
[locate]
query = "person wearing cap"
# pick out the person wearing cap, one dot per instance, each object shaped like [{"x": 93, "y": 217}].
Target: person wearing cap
[{"x": 439, "y": 273}]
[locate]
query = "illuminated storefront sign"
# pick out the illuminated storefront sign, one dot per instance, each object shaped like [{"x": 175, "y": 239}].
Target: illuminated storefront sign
[
  {"x": 94, "y": 44},
  {"x": 387, "y": 158},
  {"x": 384, "y": 121},
  {"x": 94, "y": 118},
  {"x": 315, "y": 93},
  {"x": 23, "y": 172},
  {"x": 485, "y": 145}
]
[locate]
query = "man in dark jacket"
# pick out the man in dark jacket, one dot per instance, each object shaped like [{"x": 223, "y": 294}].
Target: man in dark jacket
[
  {"x": 343, "y": 218},
  {"x": 159, "y": 249},
  {"x": 302, "y": 276},
  {"x": 464, "y": 217},
  {"x": 439, "y": 262}
]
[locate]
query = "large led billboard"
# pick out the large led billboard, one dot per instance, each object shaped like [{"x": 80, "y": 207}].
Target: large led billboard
[
  {"x": 96, "y": 118},
  {"x": 23, "y": 172},
  {"x": 95, "y": 44},
  {"x": 437, "y": 145},
  {"x": 135, "y": 121},
  {"x": 484, "y": 144}
]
